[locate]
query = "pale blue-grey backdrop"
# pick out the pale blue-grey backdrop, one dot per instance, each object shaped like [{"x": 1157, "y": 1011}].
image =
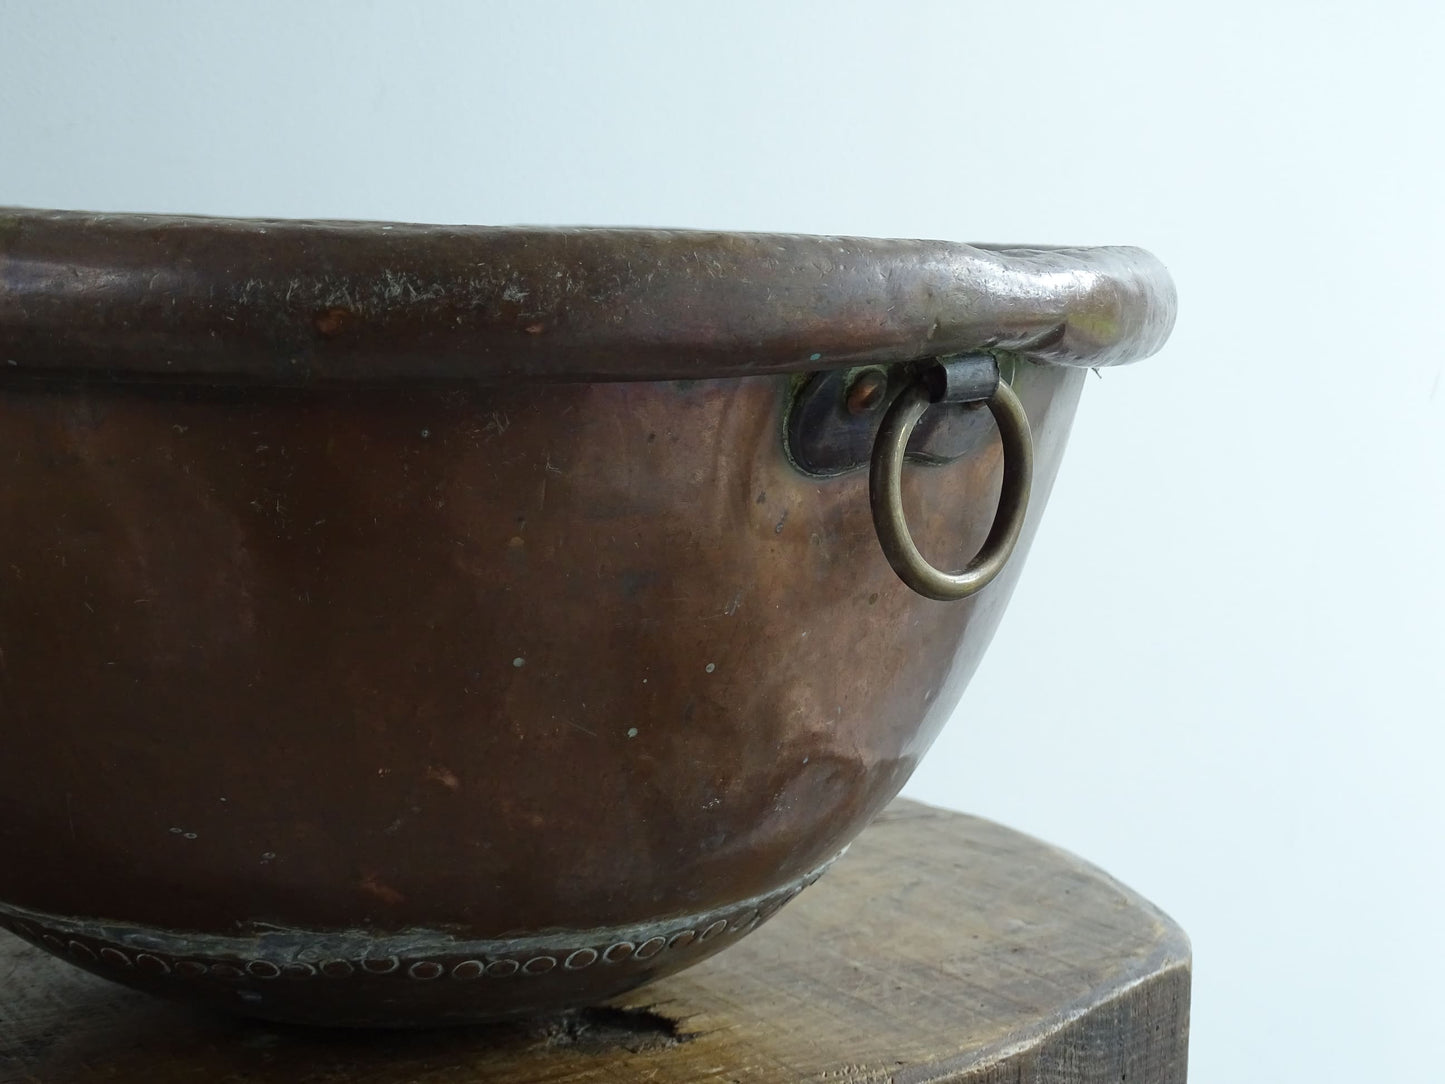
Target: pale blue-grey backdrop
[{"x": 1223, "y": 675}]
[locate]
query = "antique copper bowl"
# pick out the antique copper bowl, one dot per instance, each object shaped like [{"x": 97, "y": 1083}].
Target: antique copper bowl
[{"x": 409, "y": 624}]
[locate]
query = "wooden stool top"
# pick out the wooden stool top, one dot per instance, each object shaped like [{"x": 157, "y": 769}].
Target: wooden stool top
[{"x": 940, "y": 948}]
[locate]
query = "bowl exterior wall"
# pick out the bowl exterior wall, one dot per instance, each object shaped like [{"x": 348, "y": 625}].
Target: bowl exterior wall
[{"x": 452, "y": 676}]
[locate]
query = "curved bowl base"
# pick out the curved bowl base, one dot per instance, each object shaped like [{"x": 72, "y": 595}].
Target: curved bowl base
[{"x": 415, "y": 978}]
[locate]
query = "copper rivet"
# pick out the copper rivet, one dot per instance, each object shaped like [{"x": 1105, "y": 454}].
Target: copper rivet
[{"x": 866, "y": 393}]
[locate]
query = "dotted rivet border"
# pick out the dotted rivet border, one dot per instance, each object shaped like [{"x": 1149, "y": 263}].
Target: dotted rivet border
[{"x": 98, "y": 955}]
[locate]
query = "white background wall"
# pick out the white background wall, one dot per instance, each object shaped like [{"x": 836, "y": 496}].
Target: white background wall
[{"x": 1223, "y": 676}]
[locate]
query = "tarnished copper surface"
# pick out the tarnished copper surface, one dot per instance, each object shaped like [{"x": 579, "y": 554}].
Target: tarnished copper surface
[
  {"x": 289, "y": 302},
  {"x": 478, "y": 661}
]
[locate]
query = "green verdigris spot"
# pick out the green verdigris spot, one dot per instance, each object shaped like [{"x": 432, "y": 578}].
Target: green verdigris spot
[{"x": 9, "y": 228}]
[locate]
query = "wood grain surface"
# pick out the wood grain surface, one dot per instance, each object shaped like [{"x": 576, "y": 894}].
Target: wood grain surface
[{"x": 940, "y": 948}]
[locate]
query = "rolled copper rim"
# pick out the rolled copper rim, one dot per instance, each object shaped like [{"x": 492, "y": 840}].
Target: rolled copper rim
[{"x": 212, "y": 300}]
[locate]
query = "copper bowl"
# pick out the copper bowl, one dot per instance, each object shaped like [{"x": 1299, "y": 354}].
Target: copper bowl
[{"x": 411, "y": 624}]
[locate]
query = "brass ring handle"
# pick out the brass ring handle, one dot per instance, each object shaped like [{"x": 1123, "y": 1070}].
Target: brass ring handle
[{"x": 885, "y": 492}]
